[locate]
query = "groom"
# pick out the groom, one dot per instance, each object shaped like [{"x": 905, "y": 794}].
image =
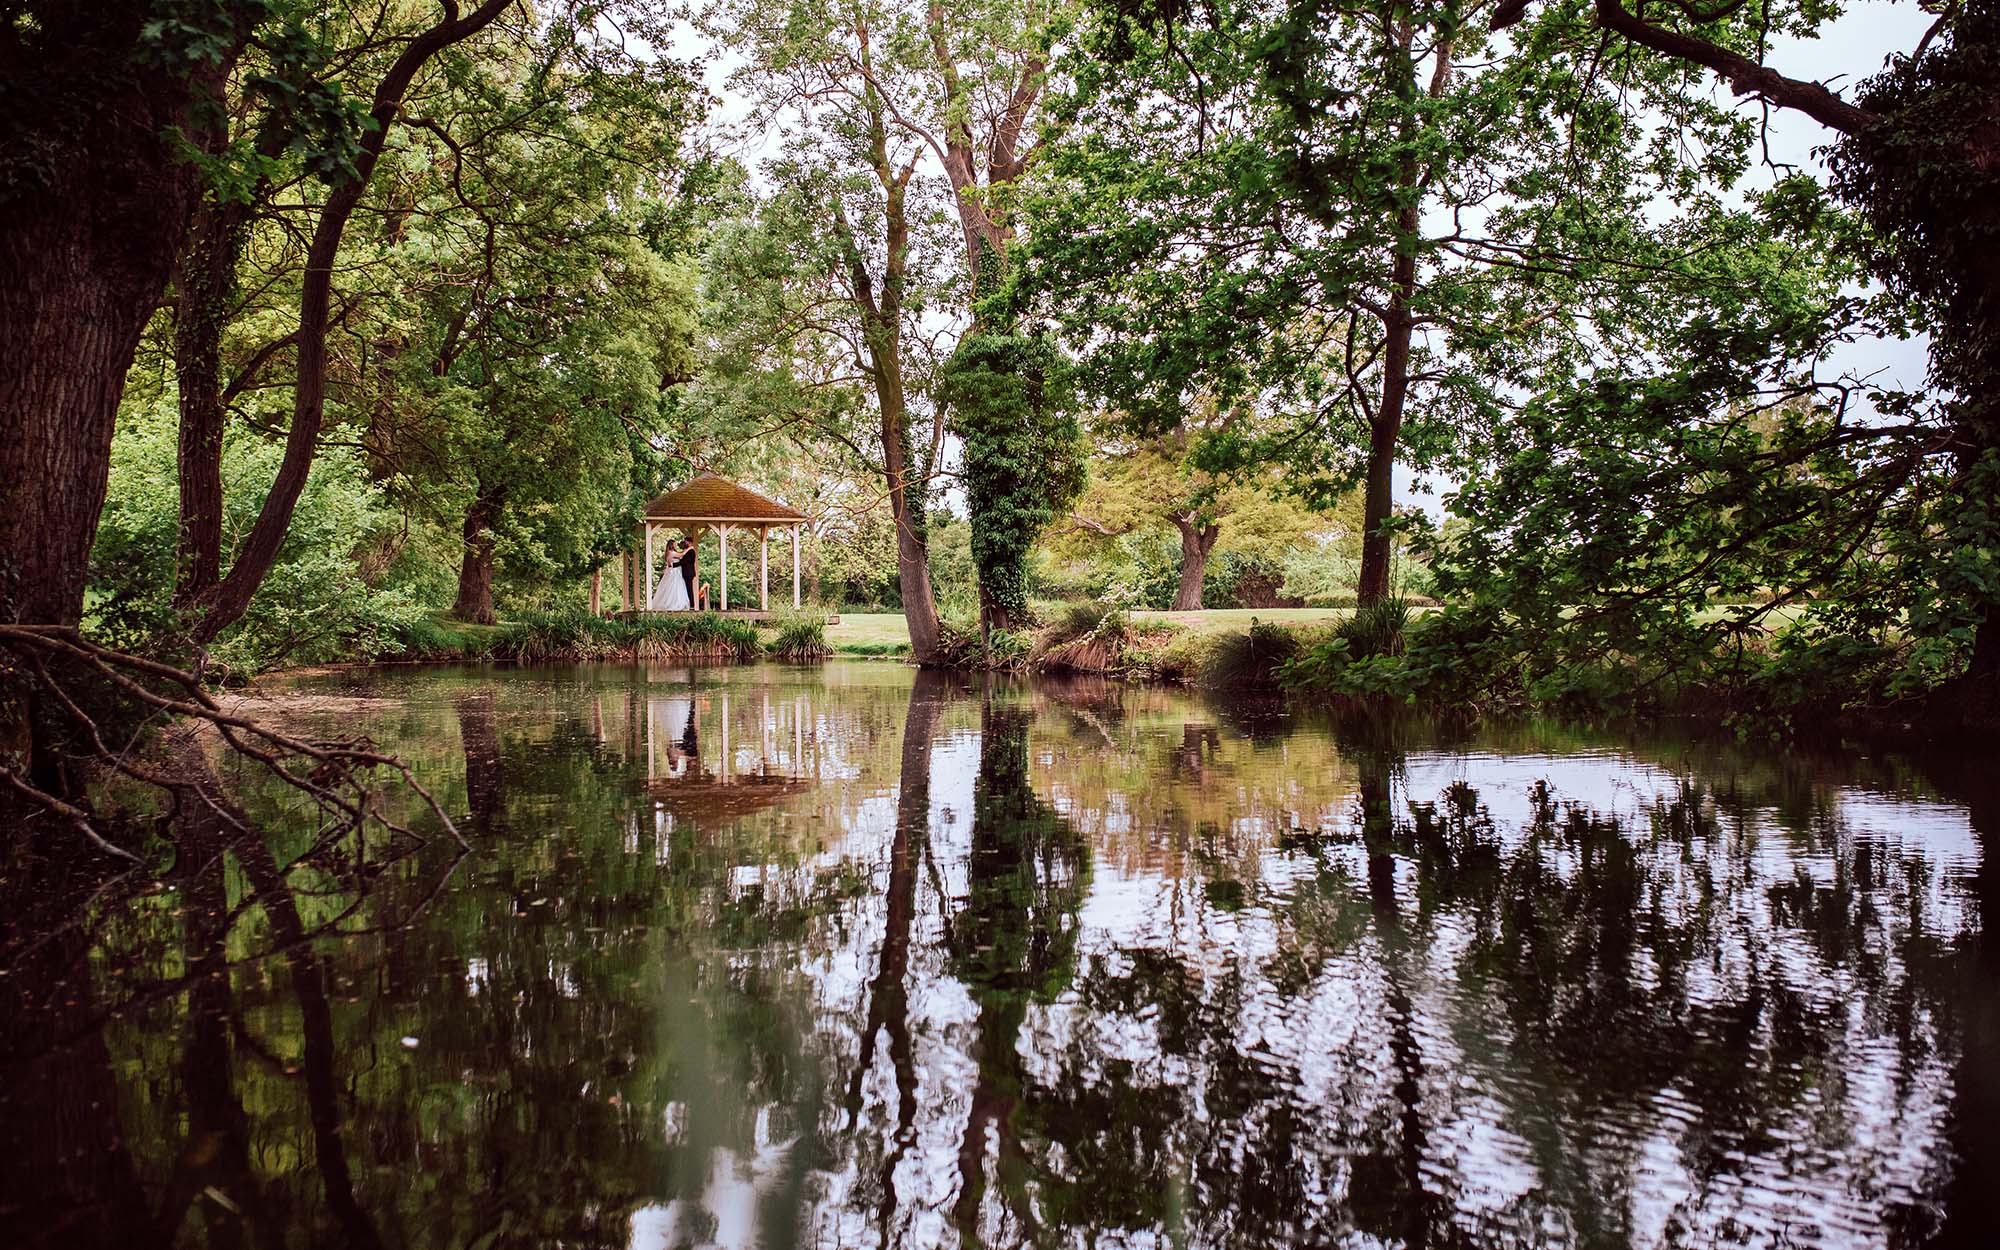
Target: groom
[{"x": 683, "y": 561}]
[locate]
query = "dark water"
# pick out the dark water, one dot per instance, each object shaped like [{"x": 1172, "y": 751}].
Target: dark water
[{"x": 854, "y": 956}]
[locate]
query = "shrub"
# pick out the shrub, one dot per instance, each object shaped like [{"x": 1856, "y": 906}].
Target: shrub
[
  {"x": 313, "y": 606},
  {"x": 799, "y": 639},
  {"x": 1252, "y": 658},
  {"x": 427, "y": 638},
  {"x": 1086, "y": 637},
  {"x": 539, "y": 638},
  {"x": 1377, "y": 629}
]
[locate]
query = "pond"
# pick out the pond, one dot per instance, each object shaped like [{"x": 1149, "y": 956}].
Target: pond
[{"x": 856, "y": 956}]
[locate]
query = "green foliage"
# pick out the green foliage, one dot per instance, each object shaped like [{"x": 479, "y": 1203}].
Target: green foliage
[
  {"x": 1252, "y": 658},
  {"x": 1023, "y": 452},
  {"x": 1454, "y": 660},
  {"x": 1377, "y": 629},
  {"x": 1088, "y": 620},
  {"x": 962, "y": 646},
  {"x": 522, "y": 369},
  {"x": 575, "y": 636},
  {"x": 799, "y": 639},
  {"x": 1312, "y": 150},
  {"x": 314, "y": 605},
  {"x": 429, "y": 638},
  {"x": 954, "y": 573},
  {"x": 1926, "y": 180}
]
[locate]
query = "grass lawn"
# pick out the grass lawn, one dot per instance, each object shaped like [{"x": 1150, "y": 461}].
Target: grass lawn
[
  {"x": 884, "y": 633},
  {"x": 869, "y": 633},
  {"x": 1218, "y": 620}
]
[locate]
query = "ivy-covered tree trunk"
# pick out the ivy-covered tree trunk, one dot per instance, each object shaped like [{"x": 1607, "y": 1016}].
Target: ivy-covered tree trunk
[
  {"x": 475, "y": 570},
  {"x": 1022, "y": 458},
  {"x": 1197, "y": 541}
]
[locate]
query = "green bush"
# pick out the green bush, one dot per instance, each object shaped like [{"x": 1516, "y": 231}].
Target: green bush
[
  {"x": 314, "y": 605},
  {"x": 800, "y": 638},
  {"x": 427, "y": 638},
  {"x": 538, "y": 638},
  {"x": 1252, "y": 658},
  {"x": 1377, "y": 629},
  {"x": 1082, "y": 620}
]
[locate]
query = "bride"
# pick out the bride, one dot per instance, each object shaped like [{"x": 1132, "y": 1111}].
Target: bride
[{"x": 671, "y": 595}]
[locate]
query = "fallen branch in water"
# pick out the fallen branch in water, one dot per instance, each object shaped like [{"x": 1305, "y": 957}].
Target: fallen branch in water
[{"x": 332, "y": 774}]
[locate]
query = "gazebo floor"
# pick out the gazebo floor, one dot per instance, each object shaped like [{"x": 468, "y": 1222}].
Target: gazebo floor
[{"x": 738, "y": 614}]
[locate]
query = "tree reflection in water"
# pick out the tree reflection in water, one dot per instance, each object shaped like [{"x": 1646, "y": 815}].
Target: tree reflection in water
[{"x": 859, "y": 957}]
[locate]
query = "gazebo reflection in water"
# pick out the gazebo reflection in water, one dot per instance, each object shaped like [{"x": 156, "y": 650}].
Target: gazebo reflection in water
[{"x": 716, "y": 754}]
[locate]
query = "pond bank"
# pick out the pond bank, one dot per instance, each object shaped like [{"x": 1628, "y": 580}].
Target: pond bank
[{"x": 1376, "y": 661}]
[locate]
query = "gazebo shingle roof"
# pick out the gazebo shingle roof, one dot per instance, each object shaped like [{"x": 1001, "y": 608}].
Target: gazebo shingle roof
[{"x": 711, "y": 498}]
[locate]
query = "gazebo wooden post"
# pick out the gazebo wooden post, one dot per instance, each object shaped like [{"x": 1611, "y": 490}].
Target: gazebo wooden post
[
  {"x": 649, "y": 567},
  {"x": 763, "y": 568},
  {"x": 638, "y": 593},
  {"x": 795, "y": 566},
  {"x": 722, "y": 551}
]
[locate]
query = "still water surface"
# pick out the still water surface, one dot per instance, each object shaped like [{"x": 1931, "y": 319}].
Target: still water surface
[{"x": 854, "y": 956}]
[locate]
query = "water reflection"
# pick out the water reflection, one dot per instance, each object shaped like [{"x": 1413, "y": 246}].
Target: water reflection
[{"x": 861, "y": 956}]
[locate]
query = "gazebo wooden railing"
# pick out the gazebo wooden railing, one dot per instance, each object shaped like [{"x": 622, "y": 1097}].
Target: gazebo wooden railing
[{"x": 710, "y": 502}]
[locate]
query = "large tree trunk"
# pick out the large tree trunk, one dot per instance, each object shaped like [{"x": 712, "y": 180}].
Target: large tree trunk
[
  {"x": 206, "y": 279},
  {"x": 1196, "y": 542},
  {"x": 1386, "y": 430},
  {"x": 91, "y": 216},
  {"x": 913, "y": 561},
  {"x": 475, "y": 570},
  {"x": 882, "y": 328}
]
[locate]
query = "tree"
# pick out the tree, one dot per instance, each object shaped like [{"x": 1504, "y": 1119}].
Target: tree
[
  {"x": 976, "y": 99},
  {"x": 846, "y": 188},
  {"x": 1023, "y": 457},
  {"x": 1916, "y": 156},
  {"x": 1351, "y": 217},
  {"x": 289, "y": 105},
  {"x": 778, "y": 396},
  {"x": 521, "y": 371},
  {"x": 222, "y": 605},
  {"x": 890, "y": 91},
  {"x": 98, "y": 101},
  {"x": 1147, "y": 481}
]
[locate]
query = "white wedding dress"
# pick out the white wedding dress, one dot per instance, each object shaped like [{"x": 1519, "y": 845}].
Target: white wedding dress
[{"x": 671, "y": 595}]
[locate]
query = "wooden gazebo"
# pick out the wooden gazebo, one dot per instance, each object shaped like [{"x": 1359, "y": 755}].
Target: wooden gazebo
[{"x": 711, "y": 502}]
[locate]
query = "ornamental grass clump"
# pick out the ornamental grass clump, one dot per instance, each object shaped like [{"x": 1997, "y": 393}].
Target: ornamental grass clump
[
  {"x": 1252, "y": 658},
  {"x": 577, "y": 637},
  {"x": 1377, "y": 629},
  {"x": 698, "y": 636},
  {"x": 800, "y": 639},
  {"x": 546, "y": 637},
  {"x": 1088, "y": 638}
]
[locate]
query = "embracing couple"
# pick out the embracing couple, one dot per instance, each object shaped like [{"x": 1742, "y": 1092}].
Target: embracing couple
[{"x": 678, "y": 590}]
